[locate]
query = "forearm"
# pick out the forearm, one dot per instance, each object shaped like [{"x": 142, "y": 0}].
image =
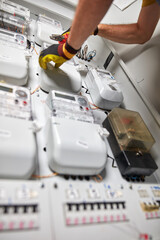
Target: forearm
[
  {"x": 129, "y": 33},
  {"x": 136, "y": 33},
  {"x": 88, "y": 15}
]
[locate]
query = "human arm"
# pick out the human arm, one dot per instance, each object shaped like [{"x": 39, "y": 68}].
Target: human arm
[
  {"x": 136, "y": 33},
  {"x": 88, "y": 14}
]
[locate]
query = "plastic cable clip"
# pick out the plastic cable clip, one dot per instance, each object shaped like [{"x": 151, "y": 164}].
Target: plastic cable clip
[
  {"x": 36, "y": 126},
  {"x": 28, "y": 55},
  {"x": 82, "y": 68},
  {"x": 103, "y": 132}
]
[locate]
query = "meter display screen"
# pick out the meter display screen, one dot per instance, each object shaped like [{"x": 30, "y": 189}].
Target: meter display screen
[
  {"x": 65, "y": 96},
  {"x": 6, "y": 89}
]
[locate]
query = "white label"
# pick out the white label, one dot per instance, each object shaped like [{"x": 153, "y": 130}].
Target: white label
[
  {"x": 82, "y": 144},
  {"x": 5, "y": 58},
  {"x": 5, "y": 133}
]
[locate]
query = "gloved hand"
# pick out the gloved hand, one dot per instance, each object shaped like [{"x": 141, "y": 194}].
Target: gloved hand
[
  {"x": 62, "y": 38},
  {"x": 65, "y": 35},
  {"x": 58, "y": 53}
]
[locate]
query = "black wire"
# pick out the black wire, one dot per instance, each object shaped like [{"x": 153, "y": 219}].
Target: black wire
[
  {"x": 38, "y": 44},
  {"x": 112, "y": 161},
  {"x": 106, "y": 113},
  {"x": 28, "y": 44},
  {"x": 87, "y": 91},
  {"x": 34, "y": 14}
]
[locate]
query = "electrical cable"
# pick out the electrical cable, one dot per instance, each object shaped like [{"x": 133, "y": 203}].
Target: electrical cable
[
  {"x": 91, "y": 55},
  {"x": 112, "y": 161},
  {"x": 38, "y": 44},
  {"x": 32, "y": 42},
  {"x": 28, "y": 44},
  {"x": 45, "y": 176},
  {"x": 98, "y": 178},
  {"x": 106, "y": 113},
  {"x": 35, "y": 50},
  {"x": 87, "y": 90},
  {"x": 85, "y": 52},
  {"x": 22, "y": 28},
  {"x": 33, "y": 47},
  {"x": 78, "y": 54},
  {"x": 82, "y": 54},
  {"x": 3, "y": 22},
  {"x": 94, "y": 106},
  {"x": 34, "y": 14},
  {"x": 37, "y": 88}
]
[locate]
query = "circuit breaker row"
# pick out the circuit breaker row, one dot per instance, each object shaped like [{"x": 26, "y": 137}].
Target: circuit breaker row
[
  {"x": 95, "y": 206},
  {"x": 19, "y": 217},
  {"x": 18, "y": 209},
  {"x": 151, "y": 209},
  {"x": 95, "y": 212}
]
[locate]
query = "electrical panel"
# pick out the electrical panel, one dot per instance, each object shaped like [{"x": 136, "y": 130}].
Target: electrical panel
[
  {"x": 104, "y": 209},
  {"x": 58, "y": 175},
  {"x": 97, "y": 209}
]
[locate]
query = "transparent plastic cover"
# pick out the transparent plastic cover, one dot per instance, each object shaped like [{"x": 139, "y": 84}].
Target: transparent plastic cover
[
  {"x": 15, "y": 9},
  {"x": 130, "y": 130},
  {"x": 47, "y": 20},
  {"x": 13, "y": 23}
]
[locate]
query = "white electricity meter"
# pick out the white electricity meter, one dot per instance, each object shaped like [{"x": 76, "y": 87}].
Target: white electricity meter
[
  {"x": 45, "y": 28},
  {"x": 13, "y": 58},
  {"x": 104, "y": 89},
  {"x": 17, "y": 140},
  {"x": 65, "y": 78},
  {"x": 75, "y": 144}
]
